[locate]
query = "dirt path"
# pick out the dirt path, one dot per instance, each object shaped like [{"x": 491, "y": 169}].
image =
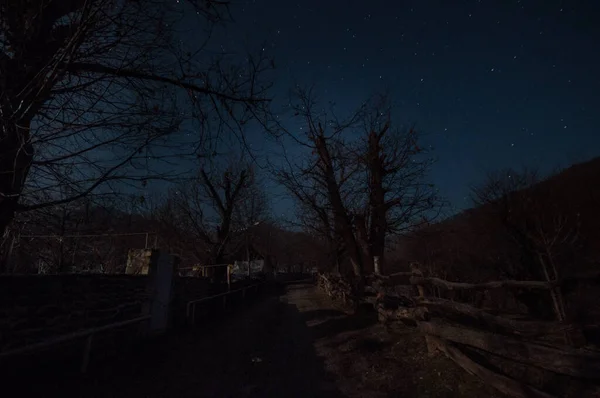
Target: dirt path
[
  {"x": 296, "y": 345},
  {"x": 369, "y": 359}
]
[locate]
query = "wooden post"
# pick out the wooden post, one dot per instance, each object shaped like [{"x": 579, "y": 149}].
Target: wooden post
[
  {"x": 229, "y": 277},
  {"x": 431, "y": 344},
  {"x": 376, "y": 265}
]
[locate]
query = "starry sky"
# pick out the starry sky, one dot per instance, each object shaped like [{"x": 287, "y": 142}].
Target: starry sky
[{"x": 490, "y": 83}]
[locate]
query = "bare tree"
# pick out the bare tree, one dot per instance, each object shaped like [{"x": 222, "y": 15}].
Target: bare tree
[
  {"x": 92, "y": 91},
  {"x": 399, "y": 199},
  {"x": 544, "y": 231},
  {"x": 208, "y": 215},
  {"x": 253, "y": 206},
  {"x": 88, "y": 234},
  {"x": 363, "y": 177},
  {"x": 313, "y": 213},
  {"x": 317, "y": 220}
]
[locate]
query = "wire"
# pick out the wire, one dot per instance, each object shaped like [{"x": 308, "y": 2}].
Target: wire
[{"x": 87, "y": 236}]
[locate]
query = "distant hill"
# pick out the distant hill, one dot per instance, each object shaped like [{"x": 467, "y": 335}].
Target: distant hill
[{"x": 473, "y": 243}]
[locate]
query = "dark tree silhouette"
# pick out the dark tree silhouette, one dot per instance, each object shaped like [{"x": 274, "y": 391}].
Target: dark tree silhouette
[
  {"x": 363, "y": 180},
  {"x": 543, "y": 229},
  {"x": 208, "y": 215},
  {"x": 92, "y": 91}
]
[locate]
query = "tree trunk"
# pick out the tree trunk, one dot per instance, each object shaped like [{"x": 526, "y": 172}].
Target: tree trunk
[
  {"x": 16, "y": 154},
  {"x": 378, "y": 207},
  {"x": 359, "y": 284},
  {"x": 363, "y": 242},
  {"x": 342, "y": 222},
  {"x": 219, "y": 273}
]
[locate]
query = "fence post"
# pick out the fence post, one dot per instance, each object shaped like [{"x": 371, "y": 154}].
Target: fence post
[
  {"x": 431, "y": 343},
  {"x": 377, "y": 265},
  {"x": 229, "y": 266}
]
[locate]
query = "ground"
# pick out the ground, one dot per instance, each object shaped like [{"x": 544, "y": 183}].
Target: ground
[{"x": 299, "y": 344}]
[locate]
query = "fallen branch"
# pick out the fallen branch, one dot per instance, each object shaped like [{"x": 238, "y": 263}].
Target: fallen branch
[
  {"x": 480, "y": 286},
  {"x": 542, "y": 285},
  {"x": 497, "y": 324}
]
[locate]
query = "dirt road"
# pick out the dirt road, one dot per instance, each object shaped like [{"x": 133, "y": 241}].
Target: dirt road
[{"x": 295, "y": 345}]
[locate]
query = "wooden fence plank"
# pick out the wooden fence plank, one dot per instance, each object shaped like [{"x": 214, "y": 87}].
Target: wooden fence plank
[
  {"x": 567, "y": 361},
  {"x": 498, "y": 324},
  {"x": 500, "y": 382},
  {"x": 500, "y": 336}
]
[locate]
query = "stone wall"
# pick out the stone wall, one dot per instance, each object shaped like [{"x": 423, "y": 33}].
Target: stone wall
[{"x": 34, "y": 308}]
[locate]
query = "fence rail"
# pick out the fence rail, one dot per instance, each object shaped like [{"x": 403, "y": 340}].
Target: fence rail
[
  {"x": 460, "y": 329},
  {"x": 88, "y": 333},
  {"x": 190, "y": 311}
]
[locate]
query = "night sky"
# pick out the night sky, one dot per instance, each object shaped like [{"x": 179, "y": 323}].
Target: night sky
[{"x": 490, "y": 84}]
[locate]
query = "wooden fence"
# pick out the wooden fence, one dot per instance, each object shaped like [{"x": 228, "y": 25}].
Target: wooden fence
[{"x": 464, "y": 332}]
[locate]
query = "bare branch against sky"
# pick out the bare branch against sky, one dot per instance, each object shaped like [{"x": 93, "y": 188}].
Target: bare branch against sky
[
  {"x": 97, "y": 91},
  {"x": 360, "y": 179}
]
